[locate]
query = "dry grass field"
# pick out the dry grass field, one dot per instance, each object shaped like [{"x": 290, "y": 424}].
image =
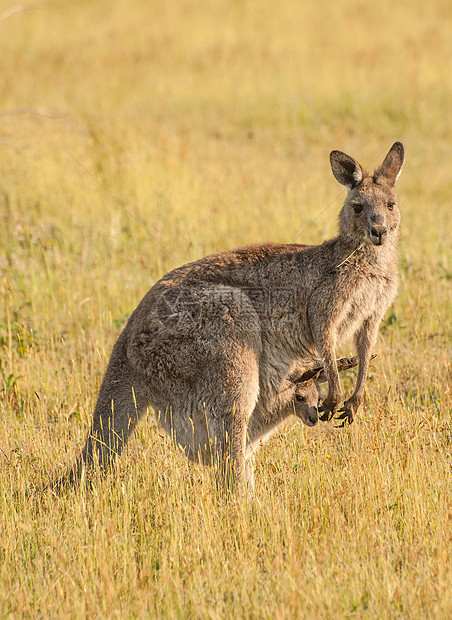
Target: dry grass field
[{"x": 136, "y": 136}]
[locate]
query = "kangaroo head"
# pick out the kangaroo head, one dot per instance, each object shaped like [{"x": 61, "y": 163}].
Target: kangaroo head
[{"x": 370, "y": 213}]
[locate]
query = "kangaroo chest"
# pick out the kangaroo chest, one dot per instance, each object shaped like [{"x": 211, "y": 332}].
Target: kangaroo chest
[{"x": 369, "y": 297}]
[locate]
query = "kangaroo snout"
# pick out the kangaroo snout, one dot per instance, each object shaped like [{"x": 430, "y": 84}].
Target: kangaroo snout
[
  {"x": 311, "y": 417},
  {"x": 378, "y": 234}
]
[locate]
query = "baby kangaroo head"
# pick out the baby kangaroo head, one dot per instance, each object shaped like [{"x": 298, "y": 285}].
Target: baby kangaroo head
[
  {"x": 370, "y": 213},
  {"x": 307, "y": 395}
]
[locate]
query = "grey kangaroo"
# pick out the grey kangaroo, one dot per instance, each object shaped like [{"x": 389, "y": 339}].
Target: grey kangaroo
[{"x": 226, "y": 348}]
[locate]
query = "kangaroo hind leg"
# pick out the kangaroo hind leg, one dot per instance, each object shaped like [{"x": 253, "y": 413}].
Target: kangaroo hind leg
[{"x": 231, "y": 427}]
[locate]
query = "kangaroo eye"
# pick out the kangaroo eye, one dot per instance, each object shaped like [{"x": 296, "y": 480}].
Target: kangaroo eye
[
  {"x": 357, "y": 208},
  {"x": 391, "y": 205},
  {"x": 300, "y": 399}
]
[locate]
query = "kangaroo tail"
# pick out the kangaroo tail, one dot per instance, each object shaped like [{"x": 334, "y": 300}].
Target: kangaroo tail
[{"x": 120, "y": 405}]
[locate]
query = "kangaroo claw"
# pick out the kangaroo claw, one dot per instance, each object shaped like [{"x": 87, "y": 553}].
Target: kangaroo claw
[
  {"x": 346, "y": 416},
  {"x": 326, "y": 417}
]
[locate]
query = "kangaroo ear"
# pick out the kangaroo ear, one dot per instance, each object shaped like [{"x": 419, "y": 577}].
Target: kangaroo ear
[
  {"x": 346, "y": 169},
  {"x": 316, "y": 373},
  {"x": 311, "y": 373},
  {"x": 390, "y": 169}
]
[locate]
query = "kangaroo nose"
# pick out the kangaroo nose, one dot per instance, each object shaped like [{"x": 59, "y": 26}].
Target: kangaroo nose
[
  {"x": 377, "y": 233},
  {"x": 313, "y": 416}
]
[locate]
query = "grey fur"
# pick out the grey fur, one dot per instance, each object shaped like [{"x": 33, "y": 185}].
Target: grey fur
[{"x": 220, "y": 348}]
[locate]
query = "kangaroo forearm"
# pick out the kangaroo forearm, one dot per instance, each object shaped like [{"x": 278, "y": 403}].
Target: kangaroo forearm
[
  {"x": 365, "y": 341},
  {"x": 325, "y": 342}
]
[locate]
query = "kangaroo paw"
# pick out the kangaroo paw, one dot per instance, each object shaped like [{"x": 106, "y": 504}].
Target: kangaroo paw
[
  {"x": 346, "y": 416},
  {"x": 329, "y": 407},
  {"x": 326, "y": 416}
]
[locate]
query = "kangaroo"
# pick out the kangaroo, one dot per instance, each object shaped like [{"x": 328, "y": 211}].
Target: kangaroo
[{"x": 224, "y": 349}]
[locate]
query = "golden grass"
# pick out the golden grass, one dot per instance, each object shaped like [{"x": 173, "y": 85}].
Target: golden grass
[{"x": 212, "y": 122}]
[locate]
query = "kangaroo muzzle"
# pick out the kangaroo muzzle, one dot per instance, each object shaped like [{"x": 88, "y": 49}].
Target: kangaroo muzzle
[
  {"x": 311, "y": 417},
  {"x": 378, "y": 234}
]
